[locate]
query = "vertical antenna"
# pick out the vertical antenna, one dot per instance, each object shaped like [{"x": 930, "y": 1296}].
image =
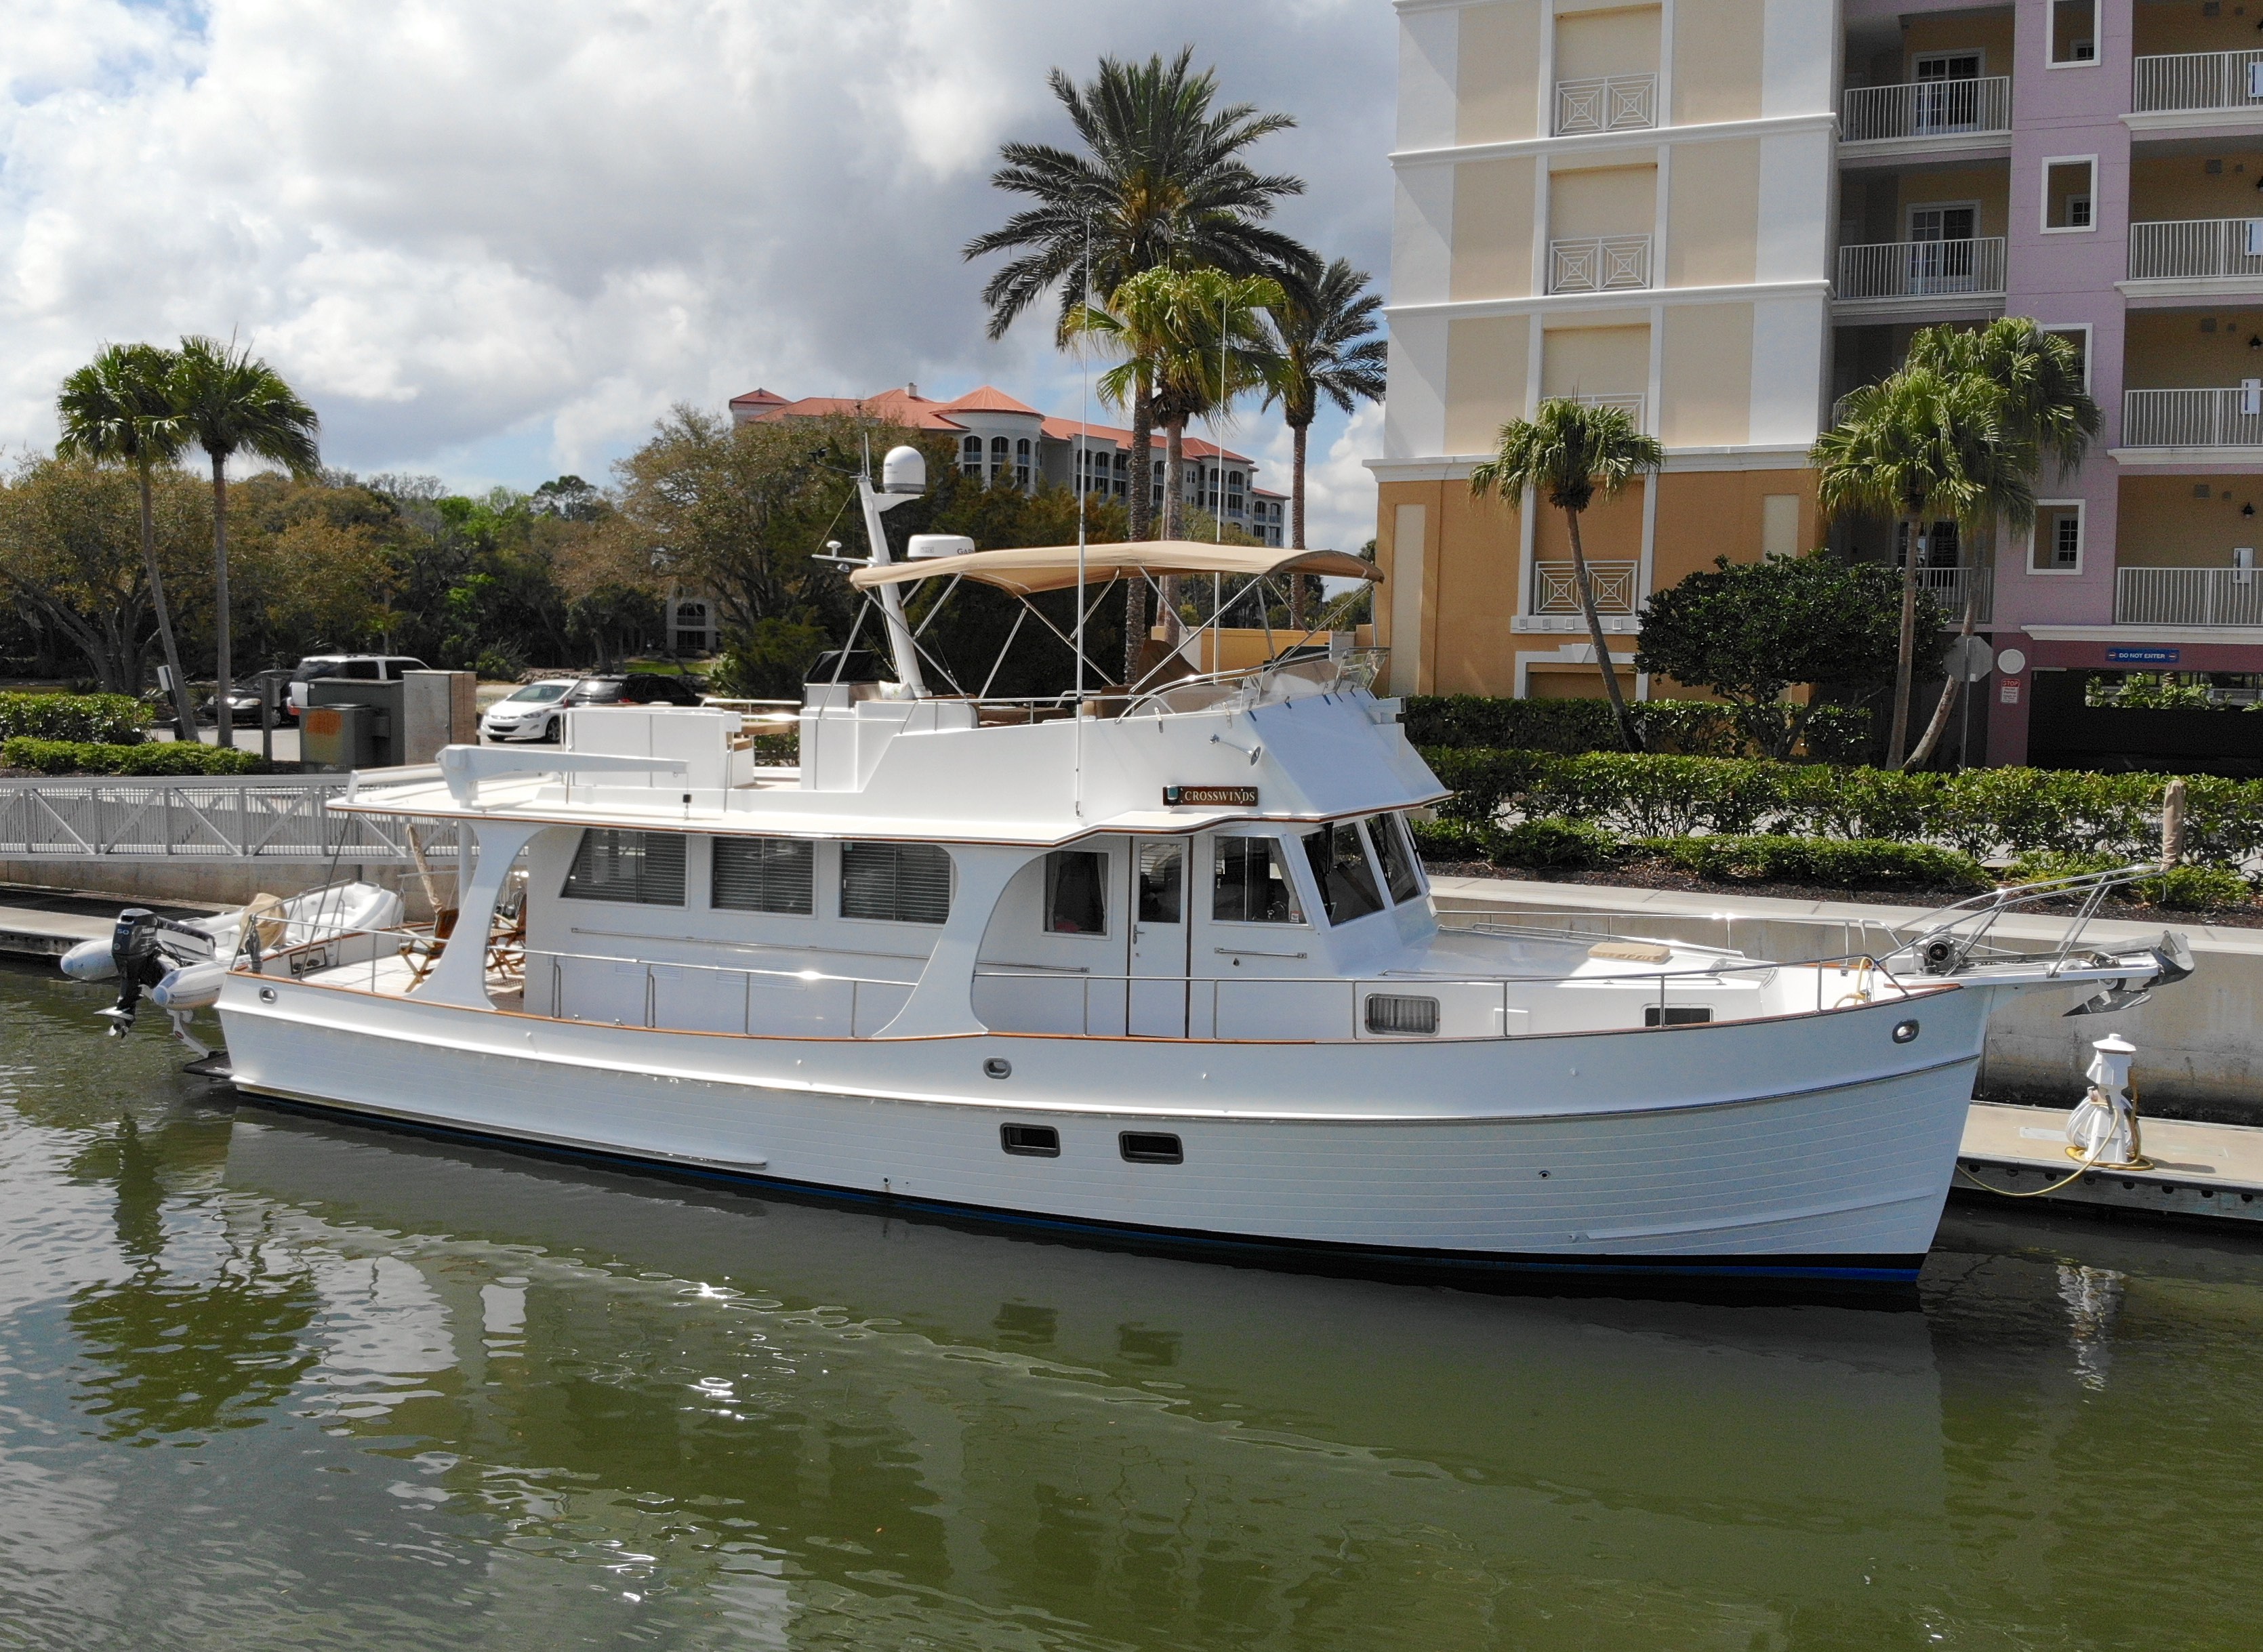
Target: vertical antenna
[{"x": 1083, "y": 492}]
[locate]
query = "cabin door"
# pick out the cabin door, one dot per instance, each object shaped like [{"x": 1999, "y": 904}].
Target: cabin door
[{"x": 1160, "y": 927}]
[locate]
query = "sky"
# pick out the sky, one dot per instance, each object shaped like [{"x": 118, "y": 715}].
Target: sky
[{"x": 495, "y": 239}]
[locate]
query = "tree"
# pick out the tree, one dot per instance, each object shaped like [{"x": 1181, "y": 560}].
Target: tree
[
  {"x": 231, "y": 402},
  {"x": 1918, "y": 446},
  {"x": 71, "y": 563},
  {"x": 1751, "y": 631},
  {"x": 1572, "y": 453},
  {"x": 1327, "y": 350},
  {"x": 1162, "y": 183},
  {"x": 1192, "y": 340},
  {"x": 119, "y": 407},
  {"x": 2048, "y": 408}
]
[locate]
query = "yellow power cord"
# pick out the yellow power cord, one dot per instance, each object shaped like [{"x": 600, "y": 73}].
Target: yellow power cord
[{"x": 2088, "y": 1164}]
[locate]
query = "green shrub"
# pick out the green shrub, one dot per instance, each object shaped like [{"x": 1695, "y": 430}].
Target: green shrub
[
  {"x": 1831, "y": 863},
  {"x": 1455, "y": 841},
  {"x": 113, "y": 719},
  {"x": 2184, "y": 888},
  {"x": 1555, "y": 843},
  {"x": 86, "y": 757},
  {"x": 1684, "y": 728}
]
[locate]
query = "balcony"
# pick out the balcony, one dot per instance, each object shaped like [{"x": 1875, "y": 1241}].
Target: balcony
[
  {"x": 2197, "y": 83},
  {"x": 1556, "y": 588},
  {"x": 2188, "y": 596},
  {"x": 1606, "y": 103},
  {"x": 1599, "y": 264},
  {"x": 2194, "y": 418},
  {"x": 2196, "y": 250},
  {"x": 1633, "y": 404},
  {"x": 1950, "y": 586},
  {"x": 1926, "y": 110},
  {"x": 1922, "y": 270}
]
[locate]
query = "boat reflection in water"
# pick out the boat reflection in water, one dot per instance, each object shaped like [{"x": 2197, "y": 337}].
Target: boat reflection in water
[{"x": 809, "y": 1418}]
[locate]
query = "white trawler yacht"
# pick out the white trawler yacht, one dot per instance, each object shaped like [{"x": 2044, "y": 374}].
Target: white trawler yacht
[{"x": 1157, "y": 964}]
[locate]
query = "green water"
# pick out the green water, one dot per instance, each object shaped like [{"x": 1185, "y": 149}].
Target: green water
[{"x": 272, "y": 1381}]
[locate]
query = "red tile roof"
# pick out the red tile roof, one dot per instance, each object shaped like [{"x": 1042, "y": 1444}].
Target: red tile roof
[
  {"x": 904, "y": 406},
  {"x": 1196, "y": 448},
  {"x": 988, "y": 399}
]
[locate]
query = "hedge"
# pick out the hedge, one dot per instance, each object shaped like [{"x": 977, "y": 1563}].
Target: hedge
[
  {"x": 112, "y": 719},
  {"x": 1834, "y": 862},
  {"x": 1981, "y": 812},
  {"x": 85, "y": 757},
  {"x": 1696, "y": 728}
]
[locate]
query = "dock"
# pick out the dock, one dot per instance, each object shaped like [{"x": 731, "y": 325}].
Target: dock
[
  {"x": 36, "y": 923},
  {"x": 2211, "y": 1171}
]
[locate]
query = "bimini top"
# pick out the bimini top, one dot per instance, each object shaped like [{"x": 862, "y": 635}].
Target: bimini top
[{"x": 1027, "y": 569}]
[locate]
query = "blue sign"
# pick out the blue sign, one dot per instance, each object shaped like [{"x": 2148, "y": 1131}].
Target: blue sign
[{"x": 2141, "y": 656}]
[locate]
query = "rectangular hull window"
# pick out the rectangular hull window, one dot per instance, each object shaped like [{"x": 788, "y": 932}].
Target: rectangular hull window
[
  {"x": 1030, "y": 1141},
  {"x": 1250, "y": 886},
  {"x": 896, "y": 883},
  {"x": 1076, "y": 892},
  {"x": 1388, "y": 1012},
  {"x": 764, "y": 875},
  {"x": 1676, "y": 1015},
  {"x": 1150, "y": 1147},
  {"x": 643, "y": 869}
]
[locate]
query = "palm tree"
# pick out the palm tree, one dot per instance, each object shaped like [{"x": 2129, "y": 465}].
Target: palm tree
[
  {"x": 1574, "y": 453},
  {"x": 229, "y": 402},
  {"x": 1162, "y": 183},
  {"x": 1917, "y": 447},
  {"x": 1191, "y": 340},
  {"x": 2048, "y": 410},
  {"x": 1327, "y": 349},
  {"x": 118, "y": 407}
]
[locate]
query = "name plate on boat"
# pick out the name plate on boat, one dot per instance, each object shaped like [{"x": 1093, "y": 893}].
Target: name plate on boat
[{"x": 1210, "y": 797}]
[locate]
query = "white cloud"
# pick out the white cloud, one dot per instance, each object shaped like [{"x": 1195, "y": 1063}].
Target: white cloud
[{"x": 497, "y": 237}]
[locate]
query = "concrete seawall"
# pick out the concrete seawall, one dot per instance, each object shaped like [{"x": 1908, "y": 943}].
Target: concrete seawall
[{"x": 2200, "y": 1042}]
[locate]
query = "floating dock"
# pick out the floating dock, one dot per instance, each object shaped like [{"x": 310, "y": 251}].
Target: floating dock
[{"x": 2213, "y": 1171}]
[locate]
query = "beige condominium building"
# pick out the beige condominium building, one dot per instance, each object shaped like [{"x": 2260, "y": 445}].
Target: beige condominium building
[{"x": 1622, "y": 203}]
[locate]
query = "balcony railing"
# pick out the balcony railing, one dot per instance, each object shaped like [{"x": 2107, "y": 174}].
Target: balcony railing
[
  {"x": 1950, "y": 586},
  {"x": 2188, "y": 596},
  {"x": 1922, "y": 269},
  {"x": 1599, "y": 264},
  {"x": 2195, "y": 248},
  {"x": 1606, "y": 103},
  {"x": 2198, "y": 81},
  {"x": 2194, "y": 418},
  {"x": 1927, "y": 109},
  {"x": 1556, "y": 588},
  {"x": 1633, "y": 404}
]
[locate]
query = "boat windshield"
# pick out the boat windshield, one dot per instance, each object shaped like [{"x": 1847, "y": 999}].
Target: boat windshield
[
  {"x": 1386, "y": 832},
  {"x": 1340, "y": 867}
]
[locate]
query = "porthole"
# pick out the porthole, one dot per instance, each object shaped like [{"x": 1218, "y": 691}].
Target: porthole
[
  {"x": 1150, "y": 1147},
  {"x": 267, "y": 995},
  {"x": 1390, "y": 1013},
  {"x": 1030, "y": 1141},
  {"x": 997, "y": 1067},
  {"x": 1905, "y": 1031}
]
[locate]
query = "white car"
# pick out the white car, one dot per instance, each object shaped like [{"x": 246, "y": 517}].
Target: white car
[
  {"x": 535, "y": 712},
  {"x": 358, "y": 667}
]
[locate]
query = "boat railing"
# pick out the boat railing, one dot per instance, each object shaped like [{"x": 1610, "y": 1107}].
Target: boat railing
[{"x": 786, "y": 1000}]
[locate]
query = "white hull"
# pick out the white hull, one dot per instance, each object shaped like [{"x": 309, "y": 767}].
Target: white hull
[{"x": 1798, "y": 1146}]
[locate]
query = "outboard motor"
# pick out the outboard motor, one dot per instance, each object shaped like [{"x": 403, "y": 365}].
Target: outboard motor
[{"x": 145, "y": 948}]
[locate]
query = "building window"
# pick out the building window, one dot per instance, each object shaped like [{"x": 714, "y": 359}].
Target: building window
[
  {"x": 2077, "y": 334},
  {"x": 970, "y": 458},
  {"x": 1021, "y": 464},
  {"x": 895, "y": 883},
  {"x": 2068, "y": 185},
  {"x": 1076, "y": 892},
  {"x": 764, "y": 875},
  {"x": 1001, "y": 453},
  {"x": 2073, "y": 32},
  {"x": 2057, "y": 545},
  {"x": 641, "y": 868},
  {"x": 1249, "y": 883}
]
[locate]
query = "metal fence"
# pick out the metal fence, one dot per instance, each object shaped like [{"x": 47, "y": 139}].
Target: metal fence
[
  {"x": 1927, "y": 109},
  {"x": 1606, "y": 103},
  {"x": 2195, "y": 248},
  {"x": 1922, "y": 269},
  {"x": 2188, "y": 596},
  {"x": 1599, "y": 264},
  {"x": 2197, "y": 80},
  {"x": 282, "y": 817},
  {"x": 2192, "y": 418}
]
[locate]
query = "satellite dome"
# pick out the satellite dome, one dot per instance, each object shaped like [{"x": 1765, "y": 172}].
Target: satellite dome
[{"x": 904, "y": 471}]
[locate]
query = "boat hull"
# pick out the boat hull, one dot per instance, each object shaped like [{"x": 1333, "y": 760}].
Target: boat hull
[{"x": 1813, "y": 1148}]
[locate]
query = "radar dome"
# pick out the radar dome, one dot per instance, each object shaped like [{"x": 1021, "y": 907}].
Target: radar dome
[{"x": 904, "y": 471}]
